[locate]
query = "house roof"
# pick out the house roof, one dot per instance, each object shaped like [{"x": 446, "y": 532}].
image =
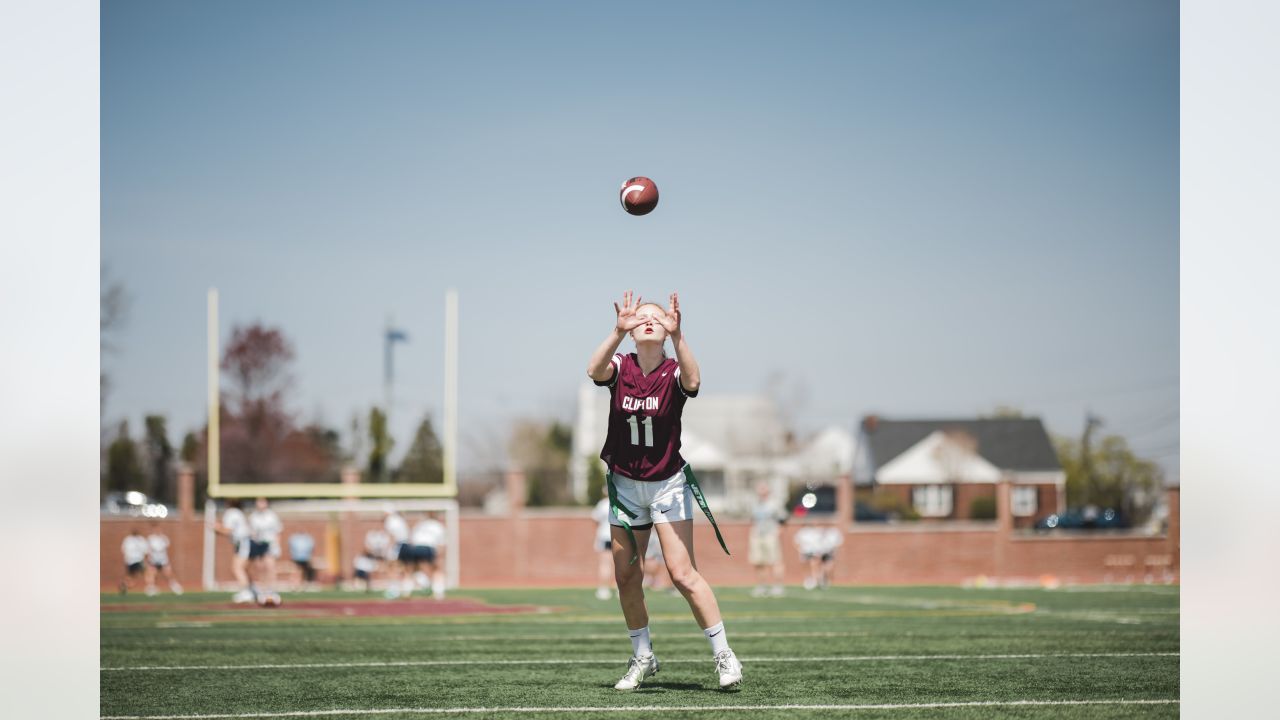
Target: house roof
[{"x": 1008, "y": 443}]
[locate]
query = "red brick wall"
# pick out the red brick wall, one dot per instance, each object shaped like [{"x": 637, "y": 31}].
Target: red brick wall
[
  {"x": 963, "y": 495},
  {"x": 554, "y": 549}
]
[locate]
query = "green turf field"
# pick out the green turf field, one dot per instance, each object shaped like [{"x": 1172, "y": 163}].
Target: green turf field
[{"x": 842, "y": 652}]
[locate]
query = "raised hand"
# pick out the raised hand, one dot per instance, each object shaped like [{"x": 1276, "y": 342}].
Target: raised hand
[
  {"x": 670, "y": 321},
  {"x": 627, "y": 320}
]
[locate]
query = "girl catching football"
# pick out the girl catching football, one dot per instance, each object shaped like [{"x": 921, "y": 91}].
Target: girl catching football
[{"x": 651, "y": 488}]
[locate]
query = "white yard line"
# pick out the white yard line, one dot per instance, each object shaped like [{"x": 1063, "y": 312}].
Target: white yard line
[
  {"x": 615, "y": 661},
  {"x": 614, "y": 636},
  {"x": 648, "y": 708}
]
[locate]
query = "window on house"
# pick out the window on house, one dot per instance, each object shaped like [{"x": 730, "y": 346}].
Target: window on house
[
  {"x": 1024, "y": 501},
  {"x": 932, "y": 500},
  {"x": 712, "y": 482}
]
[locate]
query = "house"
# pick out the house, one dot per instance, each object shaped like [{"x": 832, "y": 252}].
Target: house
[
  {"x": 948, "y": 469},
  {"x": 731, "y": 441}
]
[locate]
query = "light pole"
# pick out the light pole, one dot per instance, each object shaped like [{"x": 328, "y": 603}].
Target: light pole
[{"x": 390, "y": 337}]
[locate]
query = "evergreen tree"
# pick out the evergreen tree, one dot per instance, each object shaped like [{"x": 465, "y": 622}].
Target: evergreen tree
[
  {"x": 424, "y": 463},
  {"x": 124, "y": 470}
]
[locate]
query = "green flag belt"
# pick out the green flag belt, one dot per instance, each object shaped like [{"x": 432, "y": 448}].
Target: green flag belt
[
  {"x": 623, "y": 514},
  {"x": 702, "y": 503}
]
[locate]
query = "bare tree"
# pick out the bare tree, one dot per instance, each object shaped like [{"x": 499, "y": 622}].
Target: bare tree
[{"x": 113, "y": 311}]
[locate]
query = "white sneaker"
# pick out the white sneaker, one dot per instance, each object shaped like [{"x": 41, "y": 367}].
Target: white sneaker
[
  {"x": 603, "y": 594},
  {"x": 729, "y": 670},
  {"x": 242, "y": 597},
  {"x": 758, "y": 591},
  {"x": 777, "y": 591},
  {"x": 638, "y": 669}
]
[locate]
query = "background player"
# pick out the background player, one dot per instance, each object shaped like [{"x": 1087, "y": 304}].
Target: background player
[
  {"x": 428, "y": 545},
  {"x": 647, "y": 393},
  {"x": 134, "y": 549},
  {"x": 158, "y": 561},
  {"x": 301, "y": 549},
  {"x": 264, "y": 547},
  {"x": 809, "y": 543},
  {"x": 831, "y": 540},
  {"x": 235, "y": 526},
  {"x": 400, "y": 555},
  {"x": 765, "y": 552},
  {"x": 604, "y": 550}
]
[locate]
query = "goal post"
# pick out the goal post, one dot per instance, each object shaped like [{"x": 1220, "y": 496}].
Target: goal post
[
  {"x": 449, "y": 451},
  {"x": 338, "y": 528}
]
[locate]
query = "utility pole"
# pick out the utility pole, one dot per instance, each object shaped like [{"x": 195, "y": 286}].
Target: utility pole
[
  {"x": 1086, "y": 459},
  {"x": 390, "y": 337}
]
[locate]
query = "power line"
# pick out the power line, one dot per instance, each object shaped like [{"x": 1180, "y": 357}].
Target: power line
[
  {"x": 1113, "y": 391},
  {"x": 1170, "y": 418}
]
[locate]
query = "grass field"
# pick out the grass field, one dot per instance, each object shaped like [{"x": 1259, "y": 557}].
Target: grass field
[{"x": 905, "y": 652}]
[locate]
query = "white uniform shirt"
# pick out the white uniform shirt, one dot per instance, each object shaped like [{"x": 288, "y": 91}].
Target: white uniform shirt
[
  {"x": 158, "y": 549},
  {"x": 600, "y": 513},
  {"x": 832, "y": 538},
  {"x": 429, "y": 533},
  {"x": 234, "y": 521},
  {"x": 809, "y": 540},
  {"x": 265, "y": 526},
  {"x": 397, "y": 528},
  {"x": 134, "y": 549},
  {"x": 378, "y": 544}
]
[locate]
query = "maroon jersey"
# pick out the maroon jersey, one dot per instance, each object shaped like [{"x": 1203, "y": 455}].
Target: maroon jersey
[{"x": 644, "y": 419}]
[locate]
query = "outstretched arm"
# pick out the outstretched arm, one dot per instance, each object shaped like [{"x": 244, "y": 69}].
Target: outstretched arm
[
  {"x": 690, "y": 375},
  {"x": 600, "y": 368}
]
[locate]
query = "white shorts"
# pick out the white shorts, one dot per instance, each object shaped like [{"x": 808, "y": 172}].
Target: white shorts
[{"x": 663, "y": 501}]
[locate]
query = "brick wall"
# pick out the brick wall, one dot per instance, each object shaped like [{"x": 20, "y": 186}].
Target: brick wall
[{"x": 554, "y": 549}]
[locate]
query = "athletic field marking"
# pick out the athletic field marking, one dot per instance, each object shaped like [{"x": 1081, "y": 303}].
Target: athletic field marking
[
  {"x": 614, "y": 636},
  {"x": 926, "y": 603},
  {"x": 495, "y": 620},
  {"x": 615, "y": 661},
  {"x": 649, "y": 708}
]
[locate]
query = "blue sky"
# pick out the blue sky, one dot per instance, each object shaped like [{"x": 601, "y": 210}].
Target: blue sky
[{"x": 911, "y": 208}]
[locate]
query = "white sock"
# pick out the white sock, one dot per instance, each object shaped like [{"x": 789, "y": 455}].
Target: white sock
[
  {"x": 640, "y": 644},
  {"x": 716, "y": 636}
]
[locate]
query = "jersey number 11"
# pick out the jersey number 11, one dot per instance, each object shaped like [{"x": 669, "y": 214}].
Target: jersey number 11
[{"x": 635, "y": 430}]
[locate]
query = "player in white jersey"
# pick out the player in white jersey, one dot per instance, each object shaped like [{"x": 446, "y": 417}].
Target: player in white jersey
[
  {"x": 134, "y": 550},
  {"x": 603, "y": 545},
  {"x": 264, "y": 547},
  {"x": 809, "y": 542},
  {"x": 366, "y": 563},
  {"x": 235, "y": 526},
  {"x": 832, "y": 538},
  {"x": 428, "y": 546},
  {"x": 656, "y": 575},
  {"x": 158, "y": 561},
  {"x": 400, "y": 555}
]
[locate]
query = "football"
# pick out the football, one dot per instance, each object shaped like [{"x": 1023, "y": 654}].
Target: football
[{"x": 639, "y": 196}]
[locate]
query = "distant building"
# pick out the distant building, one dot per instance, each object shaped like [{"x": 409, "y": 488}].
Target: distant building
[
  {"x": 941, "y": 467},
  {"x": 731, "y": 441}
]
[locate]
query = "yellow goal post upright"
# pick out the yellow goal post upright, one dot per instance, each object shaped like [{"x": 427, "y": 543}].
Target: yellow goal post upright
[{"x": 359, "y": 498}]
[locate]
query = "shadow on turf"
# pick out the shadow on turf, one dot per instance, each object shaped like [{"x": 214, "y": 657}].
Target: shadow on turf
[{"x": 650, "y": 687}]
